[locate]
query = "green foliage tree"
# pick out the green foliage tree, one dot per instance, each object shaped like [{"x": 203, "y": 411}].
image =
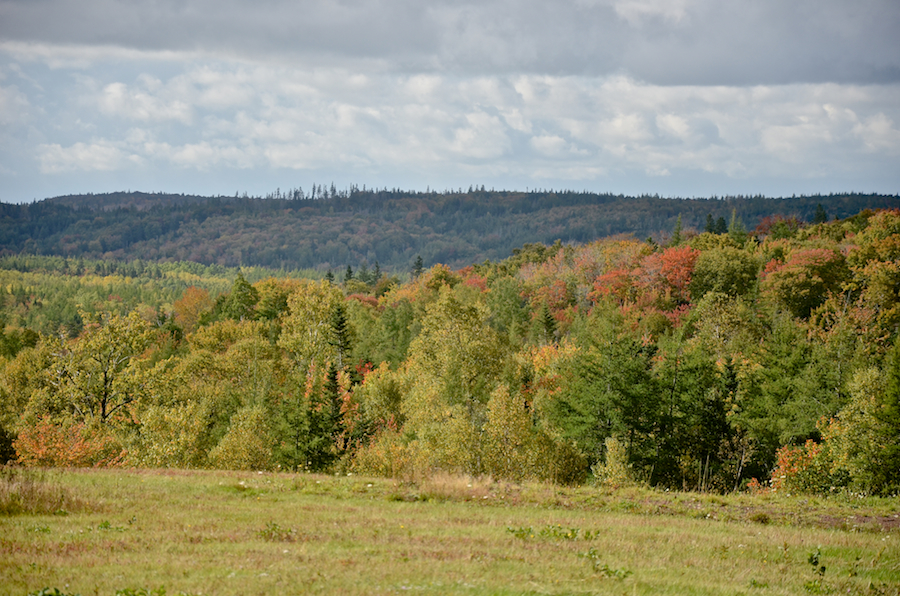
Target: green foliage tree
[
  {"x": 241, "y": 302},
  {"x": 725, "y": 270},
  {"x": 247, "y": 445},
  {"x": 100, "y": 374},
  {"x": 805, "y": 279},
  {"x": 454, "y": 364},
  {"x": 609, "y": 391}
]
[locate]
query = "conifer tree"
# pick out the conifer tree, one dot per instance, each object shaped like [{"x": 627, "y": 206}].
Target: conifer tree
[
  {"x": 821, "y": 216},
  {"x": 548, "y": 323},
  {"x": 736, "y": 229},
  {"x": 676, "y": 233},
  {"x": 340, "y": 332}
]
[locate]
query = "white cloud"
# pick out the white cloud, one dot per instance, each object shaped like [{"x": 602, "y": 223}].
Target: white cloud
[
  {"x": 483, "y": 137},
  {"x": 82, "y": 157},
  {"x": 549, "y": 145},
  {"x": 14, "y": 106},
  {"x": 118, "y": 100},
  {"x": 141, "y": 110},
  {"x": 879, "y": 133}
]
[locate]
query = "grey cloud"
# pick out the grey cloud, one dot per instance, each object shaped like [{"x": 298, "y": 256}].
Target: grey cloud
[{"x": 706, "y": 42}]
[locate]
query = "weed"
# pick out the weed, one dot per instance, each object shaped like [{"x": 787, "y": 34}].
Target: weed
[
  {"x": 760, "y": 518},
  {"x": 816, "y": 587},
  {"x": 758, "y": 584},
  {"x": 141, "y": 592},
  {"x": 814, "y": 561},
  {"x": 522, "y": 533},
  {"x": 108, "y": 527},
  {"x": 275, "y": 533},
  {"x": 556, "y": 532},
  {"x": 604, "y": 570},
  {"x": 51, "y": 592}
]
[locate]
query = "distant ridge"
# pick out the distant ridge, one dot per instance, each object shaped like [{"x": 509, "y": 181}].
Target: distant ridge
[
  {"x": 324, "y": 228},
  {"x": 140, "y": 201}
]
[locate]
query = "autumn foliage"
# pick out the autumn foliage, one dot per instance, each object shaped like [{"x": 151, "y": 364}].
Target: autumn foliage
[
  {"x": 701, "y": 364},
  {"x": 50, "y": 444}
]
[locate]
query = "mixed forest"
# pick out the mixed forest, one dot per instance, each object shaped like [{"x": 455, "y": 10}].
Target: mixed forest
[
  {"x": 715, "y": 358},
  {"x": 325, "y": 228}
]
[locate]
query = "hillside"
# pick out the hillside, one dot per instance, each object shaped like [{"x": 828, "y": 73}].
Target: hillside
[{"x": 329, "y": 229}]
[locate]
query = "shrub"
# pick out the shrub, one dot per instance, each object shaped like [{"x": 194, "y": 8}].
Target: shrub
[
  {"x": 247, "y": 444},
  {"x": 72, "y": 444},
  {"x": 803, "y": 469},
  {"x": 615, "y": 472}
]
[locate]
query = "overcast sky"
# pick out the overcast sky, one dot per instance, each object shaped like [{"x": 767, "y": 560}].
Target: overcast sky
[{"x": 675, "y": 97}]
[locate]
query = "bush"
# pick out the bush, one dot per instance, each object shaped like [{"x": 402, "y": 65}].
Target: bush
[
  {"x": 247, "y": 444},
  {"x": 615, "y": 472},
  {"x": 803, "y": 469},
  {"x": 69, "y": 444}
]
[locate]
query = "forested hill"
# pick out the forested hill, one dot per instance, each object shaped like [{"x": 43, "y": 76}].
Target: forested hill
[{"x": 329, "y": 229}]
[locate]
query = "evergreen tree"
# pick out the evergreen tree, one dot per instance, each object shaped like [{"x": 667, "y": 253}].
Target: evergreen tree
[
  {"x": 418, "y": 267},
  {"x": 340, "y": 332},
  {"x": 676, "y": 233},
  {"x": 721, "y": 226},
  {"x": 736, "y": 229},
  {"x": 710, "y": 226},
  {"x": 548, "y": 323},
  {"x": 348, "y": 274},
  {"x": 241, "y": 302},
  {"x": 821, "y": 216},
  {"x": 363, "y": 273}
]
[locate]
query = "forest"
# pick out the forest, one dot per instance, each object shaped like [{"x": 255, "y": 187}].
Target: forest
[
  {"x": 726, "y": 359},
  {"x": 324, "y": 228}
]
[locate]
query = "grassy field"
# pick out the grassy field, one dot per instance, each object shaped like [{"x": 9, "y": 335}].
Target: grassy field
[{"x": 219, "y": 533}]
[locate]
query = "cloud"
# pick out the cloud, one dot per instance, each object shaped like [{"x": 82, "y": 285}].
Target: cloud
[
  {"x": 482, "y": 137},
  {"x": 119, "y": 100},
  {"x": 94, "y": 157},
  {"x": 606, "y": 92},
  {"x": 306, "y": 119},
  {"x": 668, "y": 42},
  {"x": 14, "y": 106}
]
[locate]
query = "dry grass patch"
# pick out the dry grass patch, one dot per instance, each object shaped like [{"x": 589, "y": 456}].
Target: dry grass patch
[{"x": 35, "y": 491}]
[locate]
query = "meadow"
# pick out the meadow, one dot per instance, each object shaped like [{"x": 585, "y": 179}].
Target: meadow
[{"x": 155, "y": 532}]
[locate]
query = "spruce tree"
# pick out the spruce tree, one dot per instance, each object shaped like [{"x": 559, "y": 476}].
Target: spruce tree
[
  {"x": 418, "y": 267},
  {"x": 821, "y": 216},
  {"x": 676, "y": 233},
  {"x": 340, "y": 332}
]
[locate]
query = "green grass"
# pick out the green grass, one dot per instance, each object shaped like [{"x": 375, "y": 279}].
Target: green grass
[{"x": 221, "y": 533}]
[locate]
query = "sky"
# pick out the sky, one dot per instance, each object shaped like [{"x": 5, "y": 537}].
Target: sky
[{"x": 687, "y": 98}]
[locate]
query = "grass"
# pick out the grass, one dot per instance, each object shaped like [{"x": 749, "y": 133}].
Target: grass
[
  {"x": 221, "y": 533},
  {"x": 34, "y": 491}
]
